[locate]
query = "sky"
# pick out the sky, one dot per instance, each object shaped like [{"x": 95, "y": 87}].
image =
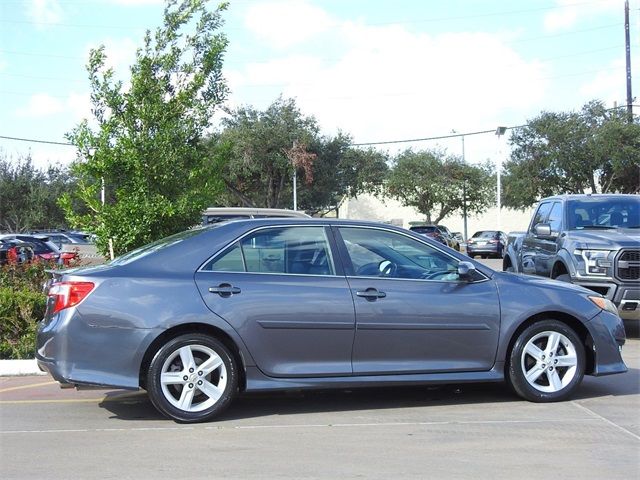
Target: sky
[{"x": 378, "y": 70}]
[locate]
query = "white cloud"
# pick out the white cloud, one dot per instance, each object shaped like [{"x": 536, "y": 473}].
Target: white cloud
[
  {"x": 609, "y": 85},
  {"x": 569, "y": 12},
  {"x": 120, "y": 53},
  {"x": 394, "y": 84},
  {"x": 285, "y": 23},
  {"x": 41, "y": 105},
  {"x": 44, "y": 11},
  {"x": 135, "y": 3}
]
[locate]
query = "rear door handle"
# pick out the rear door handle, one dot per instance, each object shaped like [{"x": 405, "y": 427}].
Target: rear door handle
[
  {"x": 371, "y": 294},
  {"x": 225, "y": 290}
]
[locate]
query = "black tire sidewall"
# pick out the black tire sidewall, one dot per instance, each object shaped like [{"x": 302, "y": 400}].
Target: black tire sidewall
[
  {"x": 154, "y": 388},
  {"x": 516, "y": 378}
]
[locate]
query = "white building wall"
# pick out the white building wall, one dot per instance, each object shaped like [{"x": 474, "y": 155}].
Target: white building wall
[{"x": 369, "y": 207}]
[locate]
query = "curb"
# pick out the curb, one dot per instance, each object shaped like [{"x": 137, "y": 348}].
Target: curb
[{"x": 12, "y": 368}]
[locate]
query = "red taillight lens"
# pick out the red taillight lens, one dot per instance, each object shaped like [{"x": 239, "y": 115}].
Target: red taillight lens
[
  {"x": 68, "y": 294},
  {"x": 493, "y": 241}
]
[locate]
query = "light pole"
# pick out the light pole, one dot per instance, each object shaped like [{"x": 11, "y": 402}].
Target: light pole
[
  {"x": 500, "y": 131},
  {"x": 464, "y": 190}
]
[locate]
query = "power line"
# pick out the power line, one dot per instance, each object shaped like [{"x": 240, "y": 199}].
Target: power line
[
  {"x": 35, "y": 140},
  {"x": 360, "y": 144}
]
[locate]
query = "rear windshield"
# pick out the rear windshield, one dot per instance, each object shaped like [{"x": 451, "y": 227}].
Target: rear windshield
[
  {"x": 603, "y": 213},
  {"x": 486, "y": 234},
  {"x": 157, "y": 245},
  {"x": 424, "y": 229}
]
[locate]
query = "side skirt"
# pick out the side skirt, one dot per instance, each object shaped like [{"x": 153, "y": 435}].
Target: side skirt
[{"x": 259, "y": 382}]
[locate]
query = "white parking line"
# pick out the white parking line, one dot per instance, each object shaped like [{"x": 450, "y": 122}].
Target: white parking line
[
  {"x": 606, "y": 420},
  {"x": 304, "y": 426}
]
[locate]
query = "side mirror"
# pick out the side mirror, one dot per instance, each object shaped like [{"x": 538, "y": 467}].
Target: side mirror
[
  {"x": 542, "y": 230},
  {"x": 466, "y": 270}
]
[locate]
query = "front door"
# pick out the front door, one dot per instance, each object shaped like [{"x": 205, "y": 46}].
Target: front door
[
  {"x": 413, "y": 313},
  {"x": 279, "y": 288}
]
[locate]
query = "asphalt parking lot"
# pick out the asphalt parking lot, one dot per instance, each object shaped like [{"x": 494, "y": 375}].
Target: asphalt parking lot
[
  {"x": 480, "y": 431},
  {"x": 455, "y": 431}
]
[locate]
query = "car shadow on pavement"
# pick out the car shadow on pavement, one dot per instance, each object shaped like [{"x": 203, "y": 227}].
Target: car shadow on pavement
[{"x": 256, "y": 405}]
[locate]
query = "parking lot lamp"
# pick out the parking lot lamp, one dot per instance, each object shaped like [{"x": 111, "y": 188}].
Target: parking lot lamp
[{"x": 500, "y": 131}]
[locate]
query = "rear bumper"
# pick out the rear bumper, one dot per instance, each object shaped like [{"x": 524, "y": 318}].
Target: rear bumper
[{"x": 77, "y": 353}]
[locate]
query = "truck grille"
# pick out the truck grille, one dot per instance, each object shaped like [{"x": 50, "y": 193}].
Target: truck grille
[{"x": 628, "y": 265}]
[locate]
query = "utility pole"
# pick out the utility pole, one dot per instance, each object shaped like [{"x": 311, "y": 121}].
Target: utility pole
[
  {"x": 628, "y": 55},
  {"x": 464, "y": 196}
]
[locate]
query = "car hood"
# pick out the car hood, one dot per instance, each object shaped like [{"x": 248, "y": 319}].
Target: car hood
[
  {"x": 606, "y": 239},
  {"x": 537, "y": 281}
]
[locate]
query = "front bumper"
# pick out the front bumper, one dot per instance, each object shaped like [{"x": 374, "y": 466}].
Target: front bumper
[{"x": 607, "y": 332}]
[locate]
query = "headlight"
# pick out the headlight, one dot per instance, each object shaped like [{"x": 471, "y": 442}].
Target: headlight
[
  {"x": 604, "y": 304},
  {"x": 596, "y": 261}
]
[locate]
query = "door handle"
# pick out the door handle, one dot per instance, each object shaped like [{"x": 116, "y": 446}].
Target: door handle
[
  {"x": 225, "y": 290},
  {"x": 371, "y": 294}
]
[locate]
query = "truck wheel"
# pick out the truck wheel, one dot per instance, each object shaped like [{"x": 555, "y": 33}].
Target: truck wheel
[
  {"x": 563, "y": 278},
  {"x": 547, "y": 362}
]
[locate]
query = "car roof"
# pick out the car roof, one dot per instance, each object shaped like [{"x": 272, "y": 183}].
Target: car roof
[{"x": 587, "y": 196}]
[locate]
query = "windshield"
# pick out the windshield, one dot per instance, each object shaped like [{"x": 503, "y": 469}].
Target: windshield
[{"x": 604, "y": 213}]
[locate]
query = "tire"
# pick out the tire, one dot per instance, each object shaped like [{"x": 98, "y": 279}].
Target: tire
[
  {"x": 563, "y": 278},
  {"x": 529, "y": 372},
  {"x": 509, "y": 269},
  {"x": 183, "y": 392}
]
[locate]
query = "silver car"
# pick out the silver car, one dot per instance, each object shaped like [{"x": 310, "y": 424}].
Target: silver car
[{"x": 292, "y": 303}]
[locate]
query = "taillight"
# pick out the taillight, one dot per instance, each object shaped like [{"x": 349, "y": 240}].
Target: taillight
[
  {"x": 493, "y": 241},
  {"x": 68, "y": 294}
]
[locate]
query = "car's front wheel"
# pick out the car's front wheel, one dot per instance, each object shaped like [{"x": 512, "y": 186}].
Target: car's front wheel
[
  {"x": 192, "y": 378},
  {"x": 547, "y": 362}
]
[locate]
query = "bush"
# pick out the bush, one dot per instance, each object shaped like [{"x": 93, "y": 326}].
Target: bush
[{"x": 22, "y": 306}]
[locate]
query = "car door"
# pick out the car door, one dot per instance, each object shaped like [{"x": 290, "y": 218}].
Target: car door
[
  {"x": 282, "y": 291},
  {"x": 531, "y": 244},
  {"x": 413, "y": 313},
  {"x": 548, "y": 246}
]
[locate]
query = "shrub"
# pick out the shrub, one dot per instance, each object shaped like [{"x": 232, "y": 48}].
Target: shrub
[{"x": 22, "y": 305}]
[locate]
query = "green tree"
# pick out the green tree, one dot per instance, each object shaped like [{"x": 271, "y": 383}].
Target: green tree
[
  {"x": 594, "y": 150},
  {"x": 261, "y": 149},
  {"x": 28, "y": 195},
  {"x": 437, "y": 185},
  {"x": 340, "y": 172},
  {"x": 145, "y": 150},
  {"x": 254, "y": 145}
]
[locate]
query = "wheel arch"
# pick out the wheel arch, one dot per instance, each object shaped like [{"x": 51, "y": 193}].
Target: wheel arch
[
  {"x": 559, "y": 268},
  {"x": 569, "y": 320},
  {"x": 182, "y": 329}
]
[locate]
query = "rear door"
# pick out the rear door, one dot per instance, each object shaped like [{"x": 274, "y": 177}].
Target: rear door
[{"x": 281, "y": 289}]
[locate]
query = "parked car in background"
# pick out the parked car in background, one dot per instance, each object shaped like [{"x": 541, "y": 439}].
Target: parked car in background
[
  {"x": 487, "y": 243},
  {"x": 43, "y": 248},
  {"x": 13, "y": 251},
  {"x": 219, "y": 214},
  {"x": 62, "y": 237},
  {"x": 281, "y": 304},
  {"x": 589, "y": 240},
  {"x": 452, "y": 241},
  {"x": 431, "y": 231}
]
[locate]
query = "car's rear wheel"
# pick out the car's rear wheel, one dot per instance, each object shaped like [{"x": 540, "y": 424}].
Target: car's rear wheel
[
  {"x": 192, "y": 378},
  {"x": 547, "y": 362}
]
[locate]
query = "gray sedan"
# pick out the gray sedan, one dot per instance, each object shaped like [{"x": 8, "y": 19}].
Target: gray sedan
[{"x": 276, "y": 304}]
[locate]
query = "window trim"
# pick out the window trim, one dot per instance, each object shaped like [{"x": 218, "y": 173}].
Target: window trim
[
  {"x": 337, "y": 265},
  {"x": 348, "y": 266}
]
